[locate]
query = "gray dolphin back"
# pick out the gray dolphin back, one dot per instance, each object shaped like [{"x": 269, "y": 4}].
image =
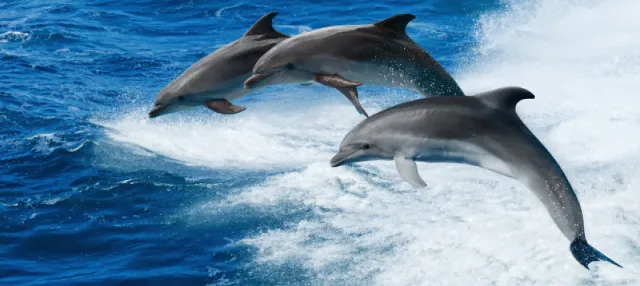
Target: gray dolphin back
[
  {"x": 230, "y": 65},
  {"x": 432, "y": 78},
  {"x": 383, "y": 47},
  {"x": 485, "y": 131}
]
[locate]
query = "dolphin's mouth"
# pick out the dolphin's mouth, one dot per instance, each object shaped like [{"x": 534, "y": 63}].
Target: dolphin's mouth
[
  {"x": 252, "y": 81},
  {"x": 156, "y": 110},
  {"x": 341, "y": 158}
]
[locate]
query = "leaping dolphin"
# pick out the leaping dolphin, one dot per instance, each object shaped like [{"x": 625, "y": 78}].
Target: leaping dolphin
[
  {"x": 482, "y": 130},
  {"x": 219, "y": 77},
  {"x": 345, "y": 57}
]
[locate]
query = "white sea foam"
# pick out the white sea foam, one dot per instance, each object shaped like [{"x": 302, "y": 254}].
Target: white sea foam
[
  {"x": 469, "y": 226},
  {"x": 264, "y": 137},
  {"x": 221, "y": 10},
  {"x": 427, "y": 29},
  {"x": 14, "y": 36},
  {"x": 297, "y": 29},
  {"x": 44, "y": 142}
]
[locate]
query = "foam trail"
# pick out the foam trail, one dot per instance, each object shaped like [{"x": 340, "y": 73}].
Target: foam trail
[
  {"x": 267, "y": 136},
  {"x": 221, "y": 10},
  {"x": 14, "y": 36},
  {"x": 469, "y": 226},
  {"x": 297, "y": 29},
  {"x": 364, "y": 225}
]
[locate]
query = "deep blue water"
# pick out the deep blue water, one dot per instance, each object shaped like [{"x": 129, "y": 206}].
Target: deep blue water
[{"x": 80, "y": 205}]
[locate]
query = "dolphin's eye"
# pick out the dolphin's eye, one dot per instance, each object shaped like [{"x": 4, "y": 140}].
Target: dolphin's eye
[
  {"x": 288, "y": 67},
  {"x": 181, "y": 98},
  {"x": 366, "y": 146}
]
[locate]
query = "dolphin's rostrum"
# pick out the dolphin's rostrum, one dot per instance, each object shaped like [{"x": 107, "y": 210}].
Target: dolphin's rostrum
[
  {"x": 482, "y": 130},
  {"x": 345, "y": 57},
  {"x": 219, "y": 77}
]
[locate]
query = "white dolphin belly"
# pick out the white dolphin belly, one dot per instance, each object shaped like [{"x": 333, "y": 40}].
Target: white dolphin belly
[{"x": 454, "y": 151}]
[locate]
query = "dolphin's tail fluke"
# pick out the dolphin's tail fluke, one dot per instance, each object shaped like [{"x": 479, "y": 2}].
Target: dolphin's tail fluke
[{"x": 585, "y": 253}]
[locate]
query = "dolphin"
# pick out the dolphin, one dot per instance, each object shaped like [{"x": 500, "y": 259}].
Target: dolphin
[
  {"x": 345, "y": 57},
  {"x": 482, "y": 130},
  {"x": 219, "y": 77}
]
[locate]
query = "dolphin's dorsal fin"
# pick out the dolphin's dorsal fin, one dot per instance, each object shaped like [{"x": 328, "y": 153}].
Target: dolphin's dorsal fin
[
  {"x": 263, "y": 26},
  {"x": 507, "y": 97},
  {"x": 397, "y": 23}
]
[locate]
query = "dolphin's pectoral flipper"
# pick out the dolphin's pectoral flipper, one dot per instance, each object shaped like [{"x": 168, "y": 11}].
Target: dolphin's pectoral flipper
[
  {"x": 345, "y": 86},
  {"x": 409, "y": 171},
  {"x": 585, "y": 253},
  {"x": 352, "y": 95},
  {"x": 223, "y": 106},
  {"x": 334, "y": 80}
]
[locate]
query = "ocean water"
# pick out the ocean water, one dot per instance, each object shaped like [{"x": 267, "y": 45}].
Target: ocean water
[{"x": 92, "y": 192}]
